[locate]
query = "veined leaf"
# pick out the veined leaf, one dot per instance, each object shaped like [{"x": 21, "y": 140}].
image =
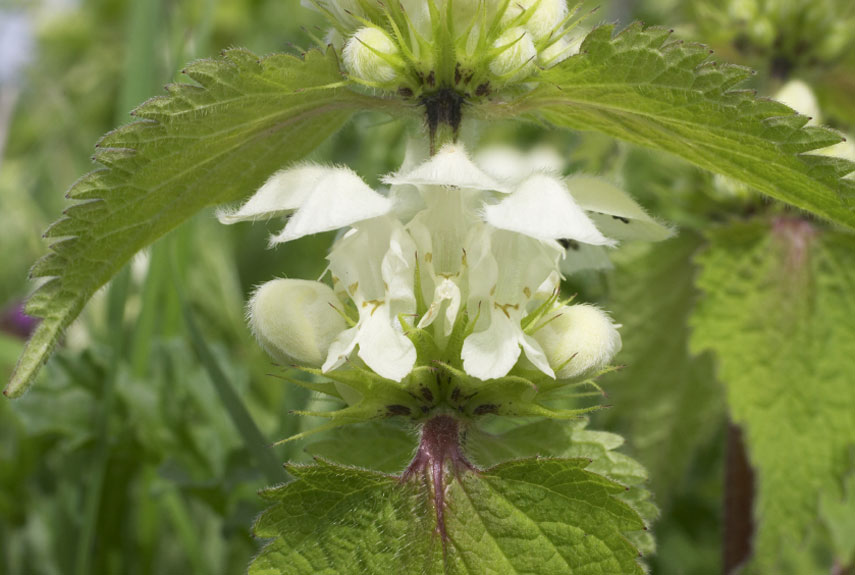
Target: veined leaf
[
  {"x": 206, "y": 143},
  {"x": 644, "y": 88},
  {"x": 573, "y": 439},
  {"x": 535, "y": 516},
  {"x": 777, "y": 311}
]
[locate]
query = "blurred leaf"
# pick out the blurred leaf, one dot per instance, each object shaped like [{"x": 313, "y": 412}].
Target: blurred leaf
[
  {"x": 639, "y": 87},
  {"x": 242, "y": 420},
  {"x": 380, "y": 446},
  {"x": 838, "y": 514},
  {"x": 665, "y": 401},
  {"x": 202, "y": 145},
  {"x": 527, "y": 516},
  {"x": 777, "y": 311}
]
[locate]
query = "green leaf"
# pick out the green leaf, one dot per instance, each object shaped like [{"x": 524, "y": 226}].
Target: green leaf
[
  {"x": 571, "y": 439},
  {"x": 379, "y": 445},
  {"x": 644, "y": 88},
  {"x": 535, "y": 516},
  {"x": 777, "y": 311},
  {"x": 204, "y": 144},
  {"x": 666, "y": 401},
  {"x": 838, "y": 514}
]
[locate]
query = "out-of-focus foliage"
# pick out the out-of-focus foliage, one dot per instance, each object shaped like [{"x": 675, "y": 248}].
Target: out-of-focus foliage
[
  {"x": 774, "y": 298},
  {"x": 179, "y": 490},
  {"x": 180, "y": 487}
]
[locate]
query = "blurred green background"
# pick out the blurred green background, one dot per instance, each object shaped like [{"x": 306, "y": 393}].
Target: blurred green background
[{"x": 125, "y": 457}]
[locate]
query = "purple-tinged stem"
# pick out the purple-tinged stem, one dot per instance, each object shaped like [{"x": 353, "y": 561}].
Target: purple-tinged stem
[{"x": 440, "y": 443}]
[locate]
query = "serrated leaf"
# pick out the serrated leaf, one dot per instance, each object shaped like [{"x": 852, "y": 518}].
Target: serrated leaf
[
  {"x": 535, "y": 516},
  {"x": 643, "y": 87},
  {"x": 203, "y": 144},
  {"x": 665, "y": 401},
  {"x": 572, "y": 439},
  {"x": 777, "y": 310}
]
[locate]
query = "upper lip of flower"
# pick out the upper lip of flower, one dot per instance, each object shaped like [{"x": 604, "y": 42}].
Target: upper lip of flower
[{"x": 503, "y": 230}]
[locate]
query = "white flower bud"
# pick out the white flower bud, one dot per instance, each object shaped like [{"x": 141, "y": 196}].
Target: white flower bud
[
  {"x": 362, "y": 55},
  {"x": 580, "y": 341},
  {"x": 518, "y": 59},
  {"x": 294, "y": 320},
  {"x": 542, "y": 18},
  {"x": 463, "y": 12},
  {"x": 560, "y": 51}
]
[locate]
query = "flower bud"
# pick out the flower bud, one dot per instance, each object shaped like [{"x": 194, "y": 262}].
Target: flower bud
[
  {"x": 540, "y": 17},
  {"x": 363, "y": 56},
  {"x": 580, "y": 341},
  {"x": 516, "y": 60},
  {"x": 294, "y": 320}
]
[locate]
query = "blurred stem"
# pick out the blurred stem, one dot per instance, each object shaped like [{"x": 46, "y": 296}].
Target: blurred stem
[
  {"x": 186, "y": 530},
  {"x": 139, "y": 79},
  {"x": 115, "y": 318},
  {"x": 140, "y": 56},
  {"x": 253, "y": 439},
  {"x": 738, "y": 503}
]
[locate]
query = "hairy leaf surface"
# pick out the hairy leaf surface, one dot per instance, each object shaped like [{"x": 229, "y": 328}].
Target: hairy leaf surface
[
  {"x": 665, "y": 401},
  {"x": 777, "y": 311},
  {"x": 643, "y": 87},
  {"x": 206, "y": 143},
  {"x": 535, "y": 516}
]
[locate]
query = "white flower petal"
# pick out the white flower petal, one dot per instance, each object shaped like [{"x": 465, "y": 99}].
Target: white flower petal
[
  {"x": 616, "y": 213},
  {"x": 524, "y": 263},
  {"x": 535, "y": 354},
  {"x": 446, "y": 296},
  {"x": 493, "y": 352},
  {"x": 387, "y": 351},
  {"x": 339, "y": 198},
  {"x": 543, "y": 208},
  {"x": 450, "y": 167},
  {"x": 340, "y": 349},
  {"x": 284, "y": 191},
  {"x": 357, "y": 258},
  {"x": 398, "y": 271}
]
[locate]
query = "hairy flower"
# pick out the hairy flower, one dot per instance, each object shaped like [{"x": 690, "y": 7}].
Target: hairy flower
[
  {"x": 418, "y": 48},
  {"x": 457, "y": 263}
]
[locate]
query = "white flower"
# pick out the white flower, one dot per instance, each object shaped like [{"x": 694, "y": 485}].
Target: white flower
[
  {"x": 506, "y": 272},
  {"x": 578, "y": 340},
  {"x": 323, "y": 198},
  {"x": 479, "y": 240},
  {"x": 373, "y": 265},
  {"x": 295, "y": 320}
]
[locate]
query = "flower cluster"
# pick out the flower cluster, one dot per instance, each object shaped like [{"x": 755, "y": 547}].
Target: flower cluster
[
  {"x": 411, "y": 46},
  {"x": 457, "y": 264}
]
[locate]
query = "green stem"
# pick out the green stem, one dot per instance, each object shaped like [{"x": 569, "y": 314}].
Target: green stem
[
  {"x": 115, "y": 318},
  {"x": 252, "y": 437}
]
